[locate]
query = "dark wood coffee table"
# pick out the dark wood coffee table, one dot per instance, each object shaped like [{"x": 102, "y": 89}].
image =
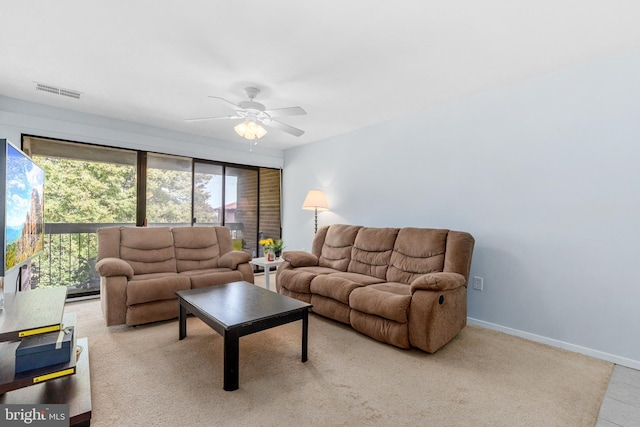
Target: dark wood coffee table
[{"x": 238, "y": 309}]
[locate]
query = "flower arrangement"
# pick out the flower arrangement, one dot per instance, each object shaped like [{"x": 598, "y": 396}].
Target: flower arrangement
[{"x": 272, "y": 246}]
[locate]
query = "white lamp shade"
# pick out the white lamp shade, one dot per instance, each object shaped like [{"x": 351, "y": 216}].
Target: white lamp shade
[{"x": 315, "y": 200}]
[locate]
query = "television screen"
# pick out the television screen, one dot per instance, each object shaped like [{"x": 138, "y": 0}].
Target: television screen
[{"x": 23, "y": 207}]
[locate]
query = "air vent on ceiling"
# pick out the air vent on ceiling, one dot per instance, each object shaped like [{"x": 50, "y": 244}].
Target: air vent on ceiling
[{"x": 58, "y": 91}]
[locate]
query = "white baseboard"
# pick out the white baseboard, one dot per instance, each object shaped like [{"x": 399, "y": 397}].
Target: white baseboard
[{"x": 629, "y": 363}]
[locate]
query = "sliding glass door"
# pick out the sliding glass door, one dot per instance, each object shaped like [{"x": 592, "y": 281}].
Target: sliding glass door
[
  {"x": 88, "y": 187},
  {"x": 270, "y": 215},
  {"x": 228, "y": 195},
  {"x": 241, "y": 206},
  {"x": 168, "y": 190},
  {"x": 207, "y": 193}
]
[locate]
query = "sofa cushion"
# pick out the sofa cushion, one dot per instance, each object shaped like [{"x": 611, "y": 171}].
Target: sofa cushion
[
  {"x": 393, "y": 288},
  {"x": 148, "y": 250},
  {"x": 151, "y": 276},
  {"x": 109, "y": 238},
  {"x": 156, "y": 289},
  {"x": 417, "y": 251},
  {"x": 336, "y": 249},
  {"x": 214, "y": 278},
  {"x": 362, "y": 279},
  {"x": 459, "y": 253},
  {"x": 224, "y": 239},
  {"x": 192, "y": 273},
  {"x": 318, "y": 240},
  {"x": 297, "y": 280},
  {"x": 318, "y": 270},
  {"x": 372, "y": 250},
  {"x": 389, "y": 301},
  {"x": 330, "y": 286},
  {"x": 196, "y": 248}
]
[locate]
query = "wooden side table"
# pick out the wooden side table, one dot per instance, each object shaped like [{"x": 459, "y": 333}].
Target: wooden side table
[{"x": 262, "y": 262}]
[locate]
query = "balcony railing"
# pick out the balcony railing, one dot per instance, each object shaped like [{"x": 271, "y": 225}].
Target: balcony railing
[
  {"x": 69, "y": 258},
  {"x": 70, "y": 254}
]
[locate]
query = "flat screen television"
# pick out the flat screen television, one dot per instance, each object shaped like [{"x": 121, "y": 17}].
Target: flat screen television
[{"x": 22, "y": 216}]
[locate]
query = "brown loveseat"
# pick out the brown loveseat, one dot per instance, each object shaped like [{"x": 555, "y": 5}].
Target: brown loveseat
[
  {"x": 406, "y": 287},
  {"x": 142, "y": 268}
]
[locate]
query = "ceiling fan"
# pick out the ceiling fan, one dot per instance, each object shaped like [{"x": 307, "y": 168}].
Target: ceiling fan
[{"x": 255, "y": 114}]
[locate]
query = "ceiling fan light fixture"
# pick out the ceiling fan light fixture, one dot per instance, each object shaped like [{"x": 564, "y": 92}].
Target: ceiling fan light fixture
[
  {"x": 250, "y": 130},
  {"x": 254, "y": 114}
]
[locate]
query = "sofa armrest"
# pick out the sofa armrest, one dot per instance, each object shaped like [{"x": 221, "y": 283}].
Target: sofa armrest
[
  {"x": 233, "y": 259},
  {"x": 300, "y": 259},
  {"x": 111, "y": 267},
  {"x": 438, "y": 282},
  {"x": 113, "y": 299}
]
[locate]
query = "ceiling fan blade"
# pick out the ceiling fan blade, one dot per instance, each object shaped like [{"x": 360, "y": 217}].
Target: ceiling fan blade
[
  {"x": 229, "y": 103},
  {"x": 283, "y": 127},
  {"x": 212, "y": 118},
  {"x": 290, "y": 111}
]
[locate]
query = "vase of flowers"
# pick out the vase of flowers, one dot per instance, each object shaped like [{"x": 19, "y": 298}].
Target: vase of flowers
[{"x": 272, "y": 248}]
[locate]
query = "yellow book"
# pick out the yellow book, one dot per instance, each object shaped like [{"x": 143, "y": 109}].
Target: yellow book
[
  {"x": 53, "y": 375},
  {"x": 37, "y": 331}
]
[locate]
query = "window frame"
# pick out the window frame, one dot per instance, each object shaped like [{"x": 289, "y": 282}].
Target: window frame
[{"x": 141, "y": 184}]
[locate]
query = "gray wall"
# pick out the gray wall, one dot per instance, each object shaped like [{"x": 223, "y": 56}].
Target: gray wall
[{"x": 545, "y": 174}]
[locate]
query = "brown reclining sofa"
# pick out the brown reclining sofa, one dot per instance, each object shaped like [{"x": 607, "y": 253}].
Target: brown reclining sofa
[
  {"x": 141, "y": 268},
  {"x": 402, "y": 286}
]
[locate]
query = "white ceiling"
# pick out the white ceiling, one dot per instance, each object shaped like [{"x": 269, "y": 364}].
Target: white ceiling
[{"x": 348, "y": 63}]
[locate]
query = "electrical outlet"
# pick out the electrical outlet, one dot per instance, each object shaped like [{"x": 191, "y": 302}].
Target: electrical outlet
[{"x": 478, "y": 283}]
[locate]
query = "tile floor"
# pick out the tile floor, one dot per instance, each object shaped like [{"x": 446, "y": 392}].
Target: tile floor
[{"x": 621, "y": 404}]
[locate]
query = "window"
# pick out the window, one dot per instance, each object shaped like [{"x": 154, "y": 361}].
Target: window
[
  {"x": 85, "y": 187},
  {"x": 88, "y": 187},
  {"x": 168, "y": 190},
  {"x": 207, "y": 193}
]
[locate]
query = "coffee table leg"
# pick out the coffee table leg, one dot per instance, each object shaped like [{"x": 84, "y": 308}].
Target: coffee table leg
[
  {"x": 182, "y": 321},
  {"x": 305, "y": 333},
  {"x": 231, "y": 361}
]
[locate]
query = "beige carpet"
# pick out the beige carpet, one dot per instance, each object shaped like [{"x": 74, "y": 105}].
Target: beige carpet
[{"x": 144, "y": 376}]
